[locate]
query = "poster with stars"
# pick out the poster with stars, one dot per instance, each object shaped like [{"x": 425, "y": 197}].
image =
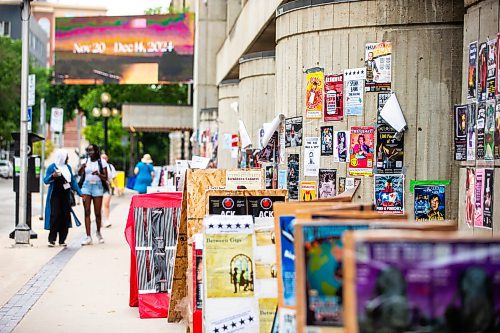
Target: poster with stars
[
  {"x": 354, "y": 85},
  {"x": 230, "y": 305},
  {"x": 229, "y": 256}
]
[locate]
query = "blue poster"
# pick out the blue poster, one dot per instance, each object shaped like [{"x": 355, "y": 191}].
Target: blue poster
[
  {"x": 282, "y": 179},
  {"x": 430, "y": 202},
  {"x": 287, "y": 259},
  {"x": 389, "y": 194}
]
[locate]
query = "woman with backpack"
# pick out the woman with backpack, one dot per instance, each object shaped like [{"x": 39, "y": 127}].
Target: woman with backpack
[
  {"x": 93, "y": 182},
  {"x": 58, "y": 209}
]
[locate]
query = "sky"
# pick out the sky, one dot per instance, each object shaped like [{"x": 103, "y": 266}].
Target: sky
[{"x": 120, "y": 7}]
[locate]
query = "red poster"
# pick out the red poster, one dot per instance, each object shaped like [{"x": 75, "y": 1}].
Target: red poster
[
  {"x": 234, "y": 140},
  {"x": 334, "y": 97}
]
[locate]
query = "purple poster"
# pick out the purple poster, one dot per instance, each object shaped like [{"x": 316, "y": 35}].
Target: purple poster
[{"x": 428, "y": 286}]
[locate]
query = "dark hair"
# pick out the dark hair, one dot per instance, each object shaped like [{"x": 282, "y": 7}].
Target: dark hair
[
  {"x": 97, "y": 151},
  {"x": 433, "y": 196}
]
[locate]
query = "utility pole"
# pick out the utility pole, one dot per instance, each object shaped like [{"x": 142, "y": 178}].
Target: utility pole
[
  {"x": 22, "y": 234},
  {"x": 43, "y": 108}
]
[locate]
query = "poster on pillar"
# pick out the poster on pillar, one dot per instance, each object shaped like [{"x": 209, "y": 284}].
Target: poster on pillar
[
  {"x": 314, "y": 93},
  {"x": 334, "y": 97},
  {"x": 480, "y": 124},
  {"x": 482, "y": 68},
  {"x": 390, "y": 151},
  {"x": 308, "y": 190},
  {"x": 429, "y": 202},
  {"x": 470, "y": 201},
  {"x": 460, "y": 126},
  {"x": 293, "y": 176},
  {"x": 472, "y": 74},
  {"x": 378, "y": 66},
  {"x": 346, "y": 184},
  {"x": 498, "y": 65},
  {"x": 293, "y": 132},
  {"x": 478, "y": 197},
  {"x": 492, "y": 69},
  {"x": 282, "y": 179},
  {"x": 340, "y": 148},
  {"x": 488, "y": 198},
  {"x": 327, "y": 183},
  {"x": 497, "y": 130},
  {"x": 311, "y": 156},
  {"x": 361, "y": 151},
  {"x": 354, "y": 91},
  {"x": 471, "y": 132},
  {"x": 389, "y": 194},
  {"x": 326, "y": 140},
  {"x": 270, "y": 177},
  {"x": 489, "y": 131}
]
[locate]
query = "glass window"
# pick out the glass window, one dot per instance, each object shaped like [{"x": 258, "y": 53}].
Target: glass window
[{"x": 5, "y": 28}]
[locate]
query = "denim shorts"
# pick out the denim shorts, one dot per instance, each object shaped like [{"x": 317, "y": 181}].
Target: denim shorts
[{"x": 94, "y": 190}]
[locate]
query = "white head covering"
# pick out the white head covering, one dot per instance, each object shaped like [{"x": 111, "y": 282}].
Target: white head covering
[{"x": 61, "y": 156}]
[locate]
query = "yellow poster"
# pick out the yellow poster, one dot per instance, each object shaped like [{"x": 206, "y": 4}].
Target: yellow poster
[
  {"x": 308, "y": 190},
  {"x": 267, "y": 311},
  {"x": 314, "y": 95},
  {"x": 229, "y": 265}
]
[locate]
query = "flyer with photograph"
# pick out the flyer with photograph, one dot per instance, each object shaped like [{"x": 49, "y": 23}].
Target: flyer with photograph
[
  {"x": 489, "y": 131},
  {"x": 470, "y": 195},
  {"x": 312, "y": 152},
  {"x": 341, "y": 146},
  {"x": 378, "y": 66},
  {"x": 482, "y": 68},
  {"x": 472, "y": 74},
  {"x": 293, "y": 176},
  {"x": 497, "y": 129},
  {"x": 361, "y": 151},
  {"x": 492, "y": 69},
  {"x": 354, "y": 91},
  {"x": 326, "y": 140},
  {"x": 479, "y": 197},
  {"x": 429, "y": 202},
  {"x": 480, "y": 125},
  {"x": 327, "y": 183},
  {"x": 293, "y": 132},
  {"x": 334, "y": 97},
  {"x": 314, "y": 93},
  {"x": 488, "y": 198},
  {"x": 389, "y": 194},
  {"x": 308, "y": 190},
  {"x": 471, "y": 132},
  {"x": 460, "y": 132},
  {"x": 390, "y": 150}
]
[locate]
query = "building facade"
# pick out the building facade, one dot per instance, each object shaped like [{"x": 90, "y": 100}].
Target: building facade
[
  {"x": 10, "y": 26},
  {"x": 429, "y": 41}
]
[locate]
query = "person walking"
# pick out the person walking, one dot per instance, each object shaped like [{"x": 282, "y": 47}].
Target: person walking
[
  {"x": 145, "y": 174},
  {"x": 93, "y": 183},
  {"x": 58, "y": 209},
  {"x": 106, "y": 200}
]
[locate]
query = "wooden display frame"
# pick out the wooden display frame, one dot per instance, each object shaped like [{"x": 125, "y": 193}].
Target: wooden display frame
[
  {"x": 352, "y": 238},
  {"x": 383, "y": 222}
]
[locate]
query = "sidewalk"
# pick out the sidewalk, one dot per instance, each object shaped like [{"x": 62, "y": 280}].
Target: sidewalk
[{"x": 91, "y": 292}]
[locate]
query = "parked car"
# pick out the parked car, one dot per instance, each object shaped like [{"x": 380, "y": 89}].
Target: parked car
[{"x": 6, "y": 169}]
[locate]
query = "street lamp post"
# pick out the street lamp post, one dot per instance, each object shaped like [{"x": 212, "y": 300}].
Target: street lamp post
[{"x": 105, "y": 111}]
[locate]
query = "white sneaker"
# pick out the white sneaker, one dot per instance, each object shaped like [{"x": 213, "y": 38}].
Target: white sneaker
[
  {"x": 87, "y": 240},
  {"x": 106, "y": 223},
  {"x": 99, "y": 237}
]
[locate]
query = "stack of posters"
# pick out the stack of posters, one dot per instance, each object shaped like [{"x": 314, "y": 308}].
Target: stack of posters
[{"x": 421, "y": 282}]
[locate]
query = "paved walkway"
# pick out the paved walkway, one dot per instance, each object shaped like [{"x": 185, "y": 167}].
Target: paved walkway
[{"x": 79, "y": 289}]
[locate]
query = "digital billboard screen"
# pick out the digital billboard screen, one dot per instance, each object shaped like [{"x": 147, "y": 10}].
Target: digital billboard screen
[{"x": 145, "y": 49}]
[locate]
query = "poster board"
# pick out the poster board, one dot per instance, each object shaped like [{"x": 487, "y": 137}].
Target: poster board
[
  {"x": 358, "y": 246},
  {"x": 321, "y": 234}
]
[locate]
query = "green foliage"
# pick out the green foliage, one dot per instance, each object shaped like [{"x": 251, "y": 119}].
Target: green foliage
[
  {"x": 37, "y": 148},
  {"x": 94, "y": 133}
]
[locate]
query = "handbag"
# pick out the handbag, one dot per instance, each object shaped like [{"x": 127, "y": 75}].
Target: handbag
[{"x": 72, "y": 199}]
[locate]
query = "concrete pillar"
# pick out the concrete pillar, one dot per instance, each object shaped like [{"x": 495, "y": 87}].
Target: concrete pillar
[
  {"x": 257, "y": 92},
  {"x": 426, "y": 41},
  {"x": 210, "y": 34},
  {"x": 228, "y": 98},
  {"x": 481, "y": 22}
]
